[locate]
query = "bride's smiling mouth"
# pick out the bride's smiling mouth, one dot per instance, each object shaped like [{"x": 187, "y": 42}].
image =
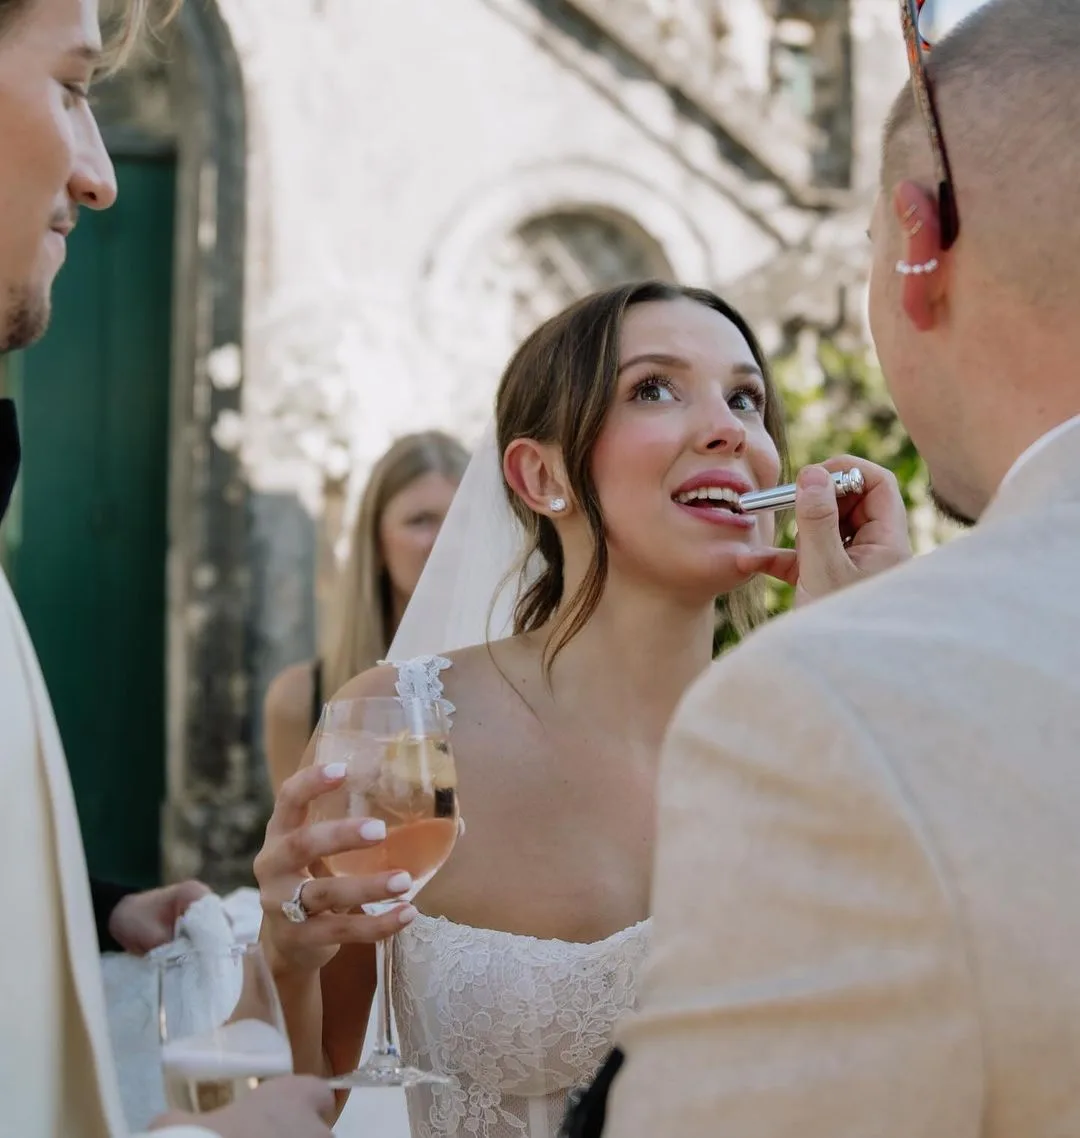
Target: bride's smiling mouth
[{"x": 713, "y": 496}]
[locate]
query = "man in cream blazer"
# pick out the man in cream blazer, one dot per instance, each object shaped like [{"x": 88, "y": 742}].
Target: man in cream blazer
[
  {"x": 56, "y": 1070},
  {"x": 867, "y": 888}
]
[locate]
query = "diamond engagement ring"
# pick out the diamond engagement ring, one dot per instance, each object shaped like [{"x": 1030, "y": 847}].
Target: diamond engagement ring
[{"x": 294, "y": 908}]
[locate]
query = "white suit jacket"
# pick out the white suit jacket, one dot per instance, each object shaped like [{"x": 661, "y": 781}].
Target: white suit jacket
[
  {"x": 57, "y": 1078},
  {"x": 867, "y": 887}
]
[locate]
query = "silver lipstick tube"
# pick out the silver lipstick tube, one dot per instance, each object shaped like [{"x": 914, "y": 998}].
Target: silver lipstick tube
[{"x": 781, "y": 497}]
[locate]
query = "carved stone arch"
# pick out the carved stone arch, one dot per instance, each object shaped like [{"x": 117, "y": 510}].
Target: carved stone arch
[
  {"x": 555, "y": 258},
  {"x": 468, "y": 315}
]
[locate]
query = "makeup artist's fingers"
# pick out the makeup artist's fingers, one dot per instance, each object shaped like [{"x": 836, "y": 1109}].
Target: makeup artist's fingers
[
  {"x": 783, "y": 564},
  {"x": 819, "y": 564},
  {"x": 838, "y": 542},
  {"x": 824, "y": 564},
  {"x": 878, "y": 515}
]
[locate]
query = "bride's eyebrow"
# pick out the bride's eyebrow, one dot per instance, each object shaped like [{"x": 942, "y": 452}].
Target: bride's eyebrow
[{"x": 661, "y": 358}]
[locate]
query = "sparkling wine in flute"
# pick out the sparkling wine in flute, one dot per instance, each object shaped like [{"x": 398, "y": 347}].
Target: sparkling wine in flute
[
  {"x": 211, "y": 1071},
  {"x": 198, "y": 1094}
]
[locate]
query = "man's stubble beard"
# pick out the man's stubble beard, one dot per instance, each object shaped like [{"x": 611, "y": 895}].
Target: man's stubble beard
[
  {"x": 950, "y": 512},
  {"x": 22, "y": 321}
]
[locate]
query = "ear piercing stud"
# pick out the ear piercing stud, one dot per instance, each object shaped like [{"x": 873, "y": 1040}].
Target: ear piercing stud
[
  {"x": 557, "y": 505},
  {"x": 905, "y": 269}
]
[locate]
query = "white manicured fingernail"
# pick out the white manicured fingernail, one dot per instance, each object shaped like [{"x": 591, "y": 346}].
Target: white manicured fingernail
[
  {"x": 406, "y": 915},
  {"x": 372, "y": 830},
  {"x": 333, "y": 771},
  {"x": 399, "y": 882}
]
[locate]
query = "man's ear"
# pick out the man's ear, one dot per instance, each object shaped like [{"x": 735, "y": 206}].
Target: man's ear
[
  {"x": 923, "y": 264},
  {"x": 535, "y": 472}
]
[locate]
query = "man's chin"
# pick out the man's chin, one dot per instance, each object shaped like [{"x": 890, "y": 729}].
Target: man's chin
[
  {"x": 22, "y": 322},
  {"x": 949, "y": 511}
]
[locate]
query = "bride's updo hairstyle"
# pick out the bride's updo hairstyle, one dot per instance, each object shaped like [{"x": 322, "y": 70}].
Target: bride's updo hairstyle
[{"x": 557, "y": 389}]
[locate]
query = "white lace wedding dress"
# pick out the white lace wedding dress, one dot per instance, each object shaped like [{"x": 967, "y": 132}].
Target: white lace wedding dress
[{"x": 516, "y": 1022}]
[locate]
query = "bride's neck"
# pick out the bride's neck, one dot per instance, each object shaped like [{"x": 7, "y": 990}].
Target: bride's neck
[{"x": 634, "y": 659}]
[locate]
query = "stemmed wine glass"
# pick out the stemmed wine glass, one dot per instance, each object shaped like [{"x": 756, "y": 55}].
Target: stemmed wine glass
[
  {"x": 221, "y": 1026},
  {"x": 400, "y": 770}
]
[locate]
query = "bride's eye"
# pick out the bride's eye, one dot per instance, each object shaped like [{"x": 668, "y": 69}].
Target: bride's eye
[
  {"x": 653, "y": 389},
  {"x": 748, "y": 399}
]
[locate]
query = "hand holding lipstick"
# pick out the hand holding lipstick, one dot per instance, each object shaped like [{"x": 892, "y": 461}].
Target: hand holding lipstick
[{"x": 839, "y": 541}]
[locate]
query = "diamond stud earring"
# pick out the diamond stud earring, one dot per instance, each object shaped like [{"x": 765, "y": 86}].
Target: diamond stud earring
[
  {"x": 557, "y": 505},
  {"x": 905, "y": 269}
]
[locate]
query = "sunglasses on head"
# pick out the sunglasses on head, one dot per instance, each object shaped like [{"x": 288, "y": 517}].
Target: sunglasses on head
[
  {"x": 926, "y": 22},
  {"x": 918, "y": 43}
]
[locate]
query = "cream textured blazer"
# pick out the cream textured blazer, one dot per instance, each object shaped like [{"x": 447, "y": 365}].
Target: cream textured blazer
[
  {"x": 57, "y": 1078},
  {"x": 867, "y": 889}
]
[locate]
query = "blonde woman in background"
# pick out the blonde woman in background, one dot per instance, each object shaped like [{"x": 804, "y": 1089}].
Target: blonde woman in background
[{"x": 399, "y": 517}]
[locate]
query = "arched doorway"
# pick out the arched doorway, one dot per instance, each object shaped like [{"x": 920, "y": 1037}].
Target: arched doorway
[{"x": 127, "y": 518}]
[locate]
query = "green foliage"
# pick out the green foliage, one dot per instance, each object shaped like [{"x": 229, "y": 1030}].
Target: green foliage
[{"x": 837, "y": 404}]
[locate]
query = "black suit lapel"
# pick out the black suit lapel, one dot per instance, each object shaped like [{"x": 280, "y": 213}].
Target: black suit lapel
[
  {"x": 9, "y": 453},
  {"x": 588, "y": 1107}
]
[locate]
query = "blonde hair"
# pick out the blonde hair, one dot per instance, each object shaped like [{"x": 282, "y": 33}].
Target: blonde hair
[
  {"x": 362, "y": 614},
  {"x": 128, "y": 21},
  {"x": 134, "y": 18}
]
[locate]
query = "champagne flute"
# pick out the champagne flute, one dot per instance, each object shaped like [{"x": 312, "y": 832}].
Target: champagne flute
[
  {"x": 400, "y": 770},
  {"x": 221, "y": 1026}
]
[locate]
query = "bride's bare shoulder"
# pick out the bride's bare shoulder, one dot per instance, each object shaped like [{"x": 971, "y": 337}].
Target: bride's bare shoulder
[
  {"x": 475, "y": 676},
  {"x": 374, "y": 682},
  {"x": 485, "y": 681},
  {"x": 473, "y": 665}
]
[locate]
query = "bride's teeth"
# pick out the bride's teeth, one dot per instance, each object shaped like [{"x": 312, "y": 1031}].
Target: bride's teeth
[{"x": 710, "y": 493}]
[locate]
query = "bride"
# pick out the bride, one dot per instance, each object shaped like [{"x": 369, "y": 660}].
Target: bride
[{"x": 621, "y": 427}]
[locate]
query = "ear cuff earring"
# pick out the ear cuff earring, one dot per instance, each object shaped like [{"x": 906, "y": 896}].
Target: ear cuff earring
[
  {"x": 906, "y": 269},
  {"x": 909, "y": 213},
  {"x": 557, "y": 505}
]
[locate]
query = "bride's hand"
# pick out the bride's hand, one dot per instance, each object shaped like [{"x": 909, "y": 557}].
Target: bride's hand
[
  {"x": 839, "y": 541},
  {"x": 331, "y": 903}
]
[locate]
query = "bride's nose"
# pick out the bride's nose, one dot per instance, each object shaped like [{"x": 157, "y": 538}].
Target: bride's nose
[{"x": 723, "y": 432}]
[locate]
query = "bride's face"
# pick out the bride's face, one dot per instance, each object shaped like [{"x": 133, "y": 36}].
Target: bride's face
[{"x": 686, "y": 427}]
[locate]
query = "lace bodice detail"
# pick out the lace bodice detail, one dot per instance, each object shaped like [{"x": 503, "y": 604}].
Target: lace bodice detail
[{"x": 516, "y": 1022}]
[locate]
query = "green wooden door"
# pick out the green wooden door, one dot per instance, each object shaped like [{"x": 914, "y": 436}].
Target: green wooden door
[{"x": 89, "y": 545}]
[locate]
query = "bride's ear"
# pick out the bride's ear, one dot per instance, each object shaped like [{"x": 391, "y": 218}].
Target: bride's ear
[{"x": 534, "y": 471}]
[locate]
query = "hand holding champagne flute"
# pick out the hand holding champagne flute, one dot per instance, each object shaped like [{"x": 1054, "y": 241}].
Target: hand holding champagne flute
[{"x": 221, "y": 1026}]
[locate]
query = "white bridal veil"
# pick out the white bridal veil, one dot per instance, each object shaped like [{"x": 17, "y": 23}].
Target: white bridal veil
[{"x": 467, "y": 591}]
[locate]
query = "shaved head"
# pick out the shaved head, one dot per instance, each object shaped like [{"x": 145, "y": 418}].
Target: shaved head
[
  {"x": 1008, "y": 95},
  {"x": 979, "y": 349}
]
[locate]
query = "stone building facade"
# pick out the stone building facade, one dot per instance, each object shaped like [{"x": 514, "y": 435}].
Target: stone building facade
[{"x": 378, "y": 199}]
